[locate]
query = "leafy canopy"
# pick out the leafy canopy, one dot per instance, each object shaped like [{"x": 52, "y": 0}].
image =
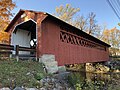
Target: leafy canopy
[
  {"x": 67, "y": 12},
  {"x": 112, "y": 37},
  {"x": 6, "y": 6},
  {"x": 88, "y": 24}
]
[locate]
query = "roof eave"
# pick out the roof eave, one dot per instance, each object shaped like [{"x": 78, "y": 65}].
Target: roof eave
[
  {"x": 77, "y": 29},
  {"x": 22, "y": 11}
]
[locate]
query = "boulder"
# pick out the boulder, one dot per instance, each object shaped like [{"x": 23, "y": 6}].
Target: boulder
[
  {"x": 19, "y": 88},
  {"x": 50, "y": 64},
  {"x": 31, "y": 89},
  {"x": 61, "y": 69}
]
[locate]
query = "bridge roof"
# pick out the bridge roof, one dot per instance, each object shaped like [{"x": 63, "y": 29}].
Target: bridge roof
[{"x": 61, "y": 22}]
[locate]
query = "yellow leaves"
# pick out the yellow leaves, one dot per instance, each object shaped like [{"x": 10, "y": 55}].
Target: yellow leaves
[
  {"x": 113, "y": 29},
  {"x": 7, "y": 3},
  {"x": 3, "y": 25},
  {"x": 57, "y": 9},
  {"x": 61, "y": 8},
  {"x": 106, "y": 33},
  {"x": 4, "y": 37},
  {"x": 67, "y": 12},
  {"x": 5, "y": 13},
  {"x": 5, "y": 7},
  {"x": 112, "y": 37},
  {"x": 64, "y": 15},
  {"x": 67, "y": 5}
]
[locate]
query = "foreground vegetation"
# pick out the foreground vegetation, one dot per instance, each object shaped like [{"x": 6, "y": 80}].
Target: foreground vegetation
[
  {"x": 92, "y": 81},
  {"x": 22, "y": 73},
  {"x": 110, "y": 80},
  {"x": 29, "y": 74}
]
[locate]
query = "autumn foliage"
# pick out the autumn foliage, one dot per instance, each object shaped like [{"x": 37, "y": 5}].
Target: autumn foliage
[
  {"x": 6, "y": 6},
  {"x": 112, "y": 37},
  {"x": 66, "y": 13},
  {"x": 4, "y": 37}
]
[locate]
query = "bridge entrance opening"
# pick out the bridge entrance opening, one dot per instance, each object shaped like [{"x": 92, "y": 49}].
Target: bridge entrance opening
[{"x": 24, "y": 35}]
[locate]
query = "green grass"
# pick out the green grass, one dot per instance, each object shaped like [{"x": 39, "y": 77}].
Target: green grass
[{"x": 22, "y": 73}]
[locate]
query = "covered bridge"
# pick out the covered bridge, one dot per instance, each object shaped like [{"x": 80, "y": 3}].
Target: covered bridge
[{"x": 54, "y": 36}]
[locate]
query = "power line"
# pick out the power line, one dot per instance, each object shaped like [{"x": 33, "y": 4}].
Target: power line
[
  {"x": 118, "y": 2},
  {"x": 113, "y": 8},
  {"x": 116, "y": 6}
]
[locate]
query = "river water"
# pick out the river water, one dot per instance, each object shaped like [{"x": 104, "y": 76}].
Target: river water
[{"x": 95, "y": 81}]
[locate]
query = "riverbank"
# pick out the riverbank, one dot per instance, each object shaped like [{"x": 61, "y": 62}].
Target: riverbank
[
  {"x": 98, "y": 76},
  {"x": 31, "y": 74},
  {"x": 23, "y": 75},
  {"x": 95, "y": 81},
  {"x": 104, "y": 67}
]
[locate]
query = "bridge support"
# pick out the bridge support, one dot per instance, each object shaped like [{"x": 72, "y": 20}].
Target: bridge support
[{"x": 49, "y": 62}]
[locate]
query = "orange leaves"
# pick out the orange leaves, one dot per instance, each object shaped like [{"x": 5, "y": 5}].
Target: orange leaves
[
  {"x": 5, "y": 13},
  {"x": 106, "y": 35},
  {"x": 4, "y": 37},
  {"x": 5, "y": 7},
  {"x": 5, "y": 10}
]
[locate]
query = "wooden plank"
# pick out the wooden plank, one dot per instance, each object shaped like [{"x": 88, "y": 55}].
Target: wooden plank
[
  {"x": 5, "y": 52},
  {"x": 26, "y": 49},
  {"x": 6, "y": 47}
]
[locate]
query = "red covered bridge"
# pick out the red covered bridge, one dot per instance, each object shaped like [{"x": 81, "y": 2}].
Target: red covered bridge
[{"x": 54, "y": 36}]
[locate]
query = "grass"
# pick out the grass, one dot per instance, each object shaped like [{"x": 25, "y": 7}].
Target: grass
[{"x": 22, "y": 73}]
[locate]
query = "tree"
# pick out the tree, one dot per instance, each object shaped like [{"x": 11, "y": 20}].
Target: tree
[
  {"x": 4, "y": 37},
  {"x": 93, "y": 28},
  {"x": 80, "y": 22},
  {"x": 112, "y": 37},
  {"x": 6, "y": 6},
  {"x": 88, "y": 24},
  {"x": 66, "y": 13},
  {"x": 5, "y": 12}
]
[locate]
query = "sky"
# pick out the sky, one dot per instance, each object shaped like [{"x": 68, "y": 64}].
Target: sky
[{"x": 104, "y": 13}]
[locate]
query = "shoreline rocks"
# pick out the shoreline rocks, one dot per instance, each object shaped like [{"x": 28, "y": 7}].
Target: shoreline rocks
[{"x": 54, "y": 82}]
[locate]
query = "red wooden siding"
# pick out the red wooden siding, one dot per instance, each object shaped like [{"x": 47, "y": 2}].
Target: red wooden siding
[
  {"x": 69, "y": 48},
  {"x": 67, "y": 43}
]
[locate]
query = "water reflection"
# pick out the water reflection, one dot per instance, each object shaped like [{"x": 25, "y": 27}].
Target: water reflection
[{"x": 95, "y": 81}]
